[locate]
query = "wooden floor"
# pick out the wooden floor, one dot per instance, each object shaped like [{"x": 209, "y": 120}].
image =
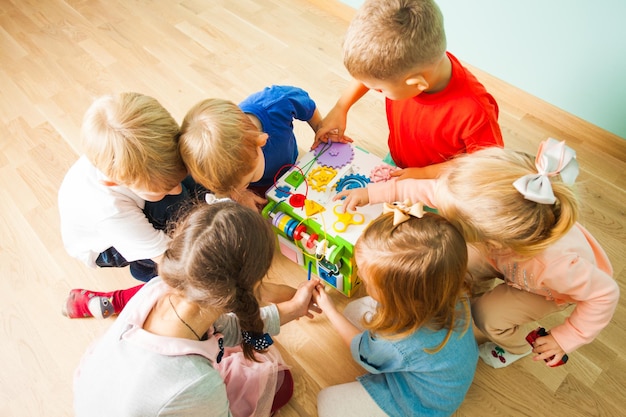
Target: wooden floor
[{"x": 56, "y": 56}]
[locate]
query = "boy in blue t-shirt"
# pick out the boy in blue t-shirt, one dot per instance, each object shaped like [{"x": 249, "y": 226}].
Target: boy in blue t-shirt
[{"x": 235, "y": 152}]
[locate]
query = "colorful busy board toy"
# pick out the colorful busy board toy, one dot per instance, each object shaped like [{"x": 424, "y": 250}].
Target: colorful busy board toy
[{"x": 312, "y": 229}]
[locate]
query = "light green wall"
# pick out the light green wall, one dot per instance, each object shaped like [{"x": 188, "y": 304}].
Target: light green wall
[{"x": 570, "y": 53}]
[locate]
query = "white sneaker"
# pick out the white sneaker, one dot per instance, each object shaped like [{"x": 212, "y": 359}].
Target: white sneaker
[{"x": 496, "y": 357}]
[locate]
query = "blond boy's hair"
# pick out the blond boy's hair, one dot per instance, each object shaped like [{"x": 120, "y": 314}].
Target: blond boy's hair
[
  {"x": 219, "y": 144},
  {"x": 417, "y": 269},
  {"x": 388, "y": 39},
  {"x": 133, "y": 140},
  {"x": 477, "y": 194}
]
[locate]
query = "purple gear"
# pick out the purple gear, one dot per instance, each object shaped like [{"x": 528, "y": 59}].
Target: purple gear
[{"x": 334, "y": 154}]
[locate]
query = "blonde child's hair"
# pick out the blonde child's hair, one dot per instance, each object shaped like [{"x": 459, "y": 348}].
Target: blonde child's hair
[
  {"x": 388, "y": 39},
  {"x": 417, "y": 269},
  {"x": 477, "y": 194},
  {"x": 218, "y": 255},
  {"x": 219, "y": 144},
  {"x": 133, "y": 140}
]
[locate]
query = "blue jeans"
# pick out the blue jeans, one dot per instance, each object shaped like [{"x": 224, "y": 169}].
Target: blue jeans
[{"x": 143, "y": 269}]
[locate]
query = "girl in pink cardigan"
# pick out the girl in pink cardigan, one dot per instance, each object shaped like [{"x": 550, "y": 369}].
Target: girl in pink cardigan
[{"x": 519, "y": 216}]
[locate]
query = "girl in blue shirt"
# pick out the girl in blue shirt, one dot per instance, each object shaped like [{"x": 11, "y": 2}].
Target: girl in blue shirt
[{"x": 412, "y": 332}]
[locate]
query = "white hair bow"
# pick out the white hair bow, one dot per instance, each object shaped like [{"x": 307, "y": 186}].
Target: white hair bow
[
  {"x": 403, "y": 211},
  {"x": 212, "y": 199},
  {"x": 553, "y": 157}
]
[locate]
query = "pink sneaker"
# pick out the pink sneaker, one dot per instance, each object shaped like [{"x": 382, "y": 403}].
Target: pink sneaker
[{"x": 84, "y": 303}]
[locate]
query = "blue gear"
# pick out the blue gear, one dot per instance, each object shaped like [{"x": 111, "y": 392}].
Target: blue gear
[{"x": 351, "y": 181}]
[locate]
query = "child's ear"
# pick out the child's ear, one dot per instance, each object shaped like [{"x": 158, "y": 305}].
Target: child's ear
[
  {"x": 418, "y": 81},
  {"x": 262, "y": 139}
]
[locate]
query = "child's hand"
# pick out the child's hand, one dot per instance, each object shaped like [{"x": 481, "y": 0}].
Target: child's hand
[
  {"x": 355, "y": 197},
  {"x": 304, "y": 298},
  {"x": 301, "y": 304},
  {"x": 332, "y": 128},
  {"x": 545, "y": 347},
  {"x": 249, "y": 199},
  {"x": 331, "y": 136},
  {"x": 406, "y": 173},
  {"x": 322, "y": 299}
]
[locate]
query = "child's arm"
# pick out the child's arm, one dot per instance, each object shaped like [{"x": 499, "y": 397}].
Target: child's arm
[
  {"x": 595, "y": 293},
  {"x": 390, "y": 191},
  {"x": 346, "y": 330},
  {"x": 275, "y": 293},
  {"x": 427, "y": 172},
  {"x": 316, "y": 120},
  {"x": 333, "y": 125},
  {"x": 301, "y": 304},
  {"x": 273, "y": 316}
]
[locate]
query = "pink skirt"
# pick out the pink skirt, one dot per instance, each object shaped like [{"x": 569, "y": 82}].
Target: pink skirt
[{"x": 252, "y": 386}]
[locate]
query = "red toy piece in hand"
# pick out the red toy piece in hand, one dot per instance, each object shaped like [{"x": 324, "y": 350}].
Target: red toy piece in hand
[{"x": 540, "y": 332}]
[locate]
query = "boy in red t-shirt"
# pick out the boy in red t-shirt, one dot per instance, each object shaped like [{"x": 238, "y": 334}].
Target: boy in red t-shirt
[{"x": 436, "y": 108}]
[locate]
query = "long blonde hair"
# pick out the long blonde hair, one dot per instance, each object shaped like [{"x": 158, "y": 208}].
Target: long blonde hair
[
  {"x": 418, "y": 271},
  {"x": 133, "y": 140},
  {"x": 219, "y": 144},
  {"x": 477, "y": 194}
]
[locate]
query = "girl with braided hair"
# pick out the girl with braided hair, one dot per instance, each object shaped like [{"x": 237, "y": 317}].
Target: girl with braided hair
[{"x": 194, "y": 341}]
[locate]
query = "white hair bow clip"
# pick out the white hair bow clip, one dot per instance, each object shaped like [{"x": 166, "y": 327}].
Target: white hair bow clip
[
  {"x": 553, "y": 157},
  {"x": 212, "y": 199},
  {"x": 403, "y": 211}
]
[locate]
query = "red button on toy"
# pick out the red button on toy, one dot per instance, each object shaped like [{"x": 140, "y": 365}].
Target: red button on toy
[{"x": 297, "y": 200}]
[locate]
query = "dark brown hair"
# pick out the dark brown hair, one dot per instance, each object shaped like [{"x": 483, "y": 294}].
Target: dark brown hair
[{"x": 218, "y": 254}]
